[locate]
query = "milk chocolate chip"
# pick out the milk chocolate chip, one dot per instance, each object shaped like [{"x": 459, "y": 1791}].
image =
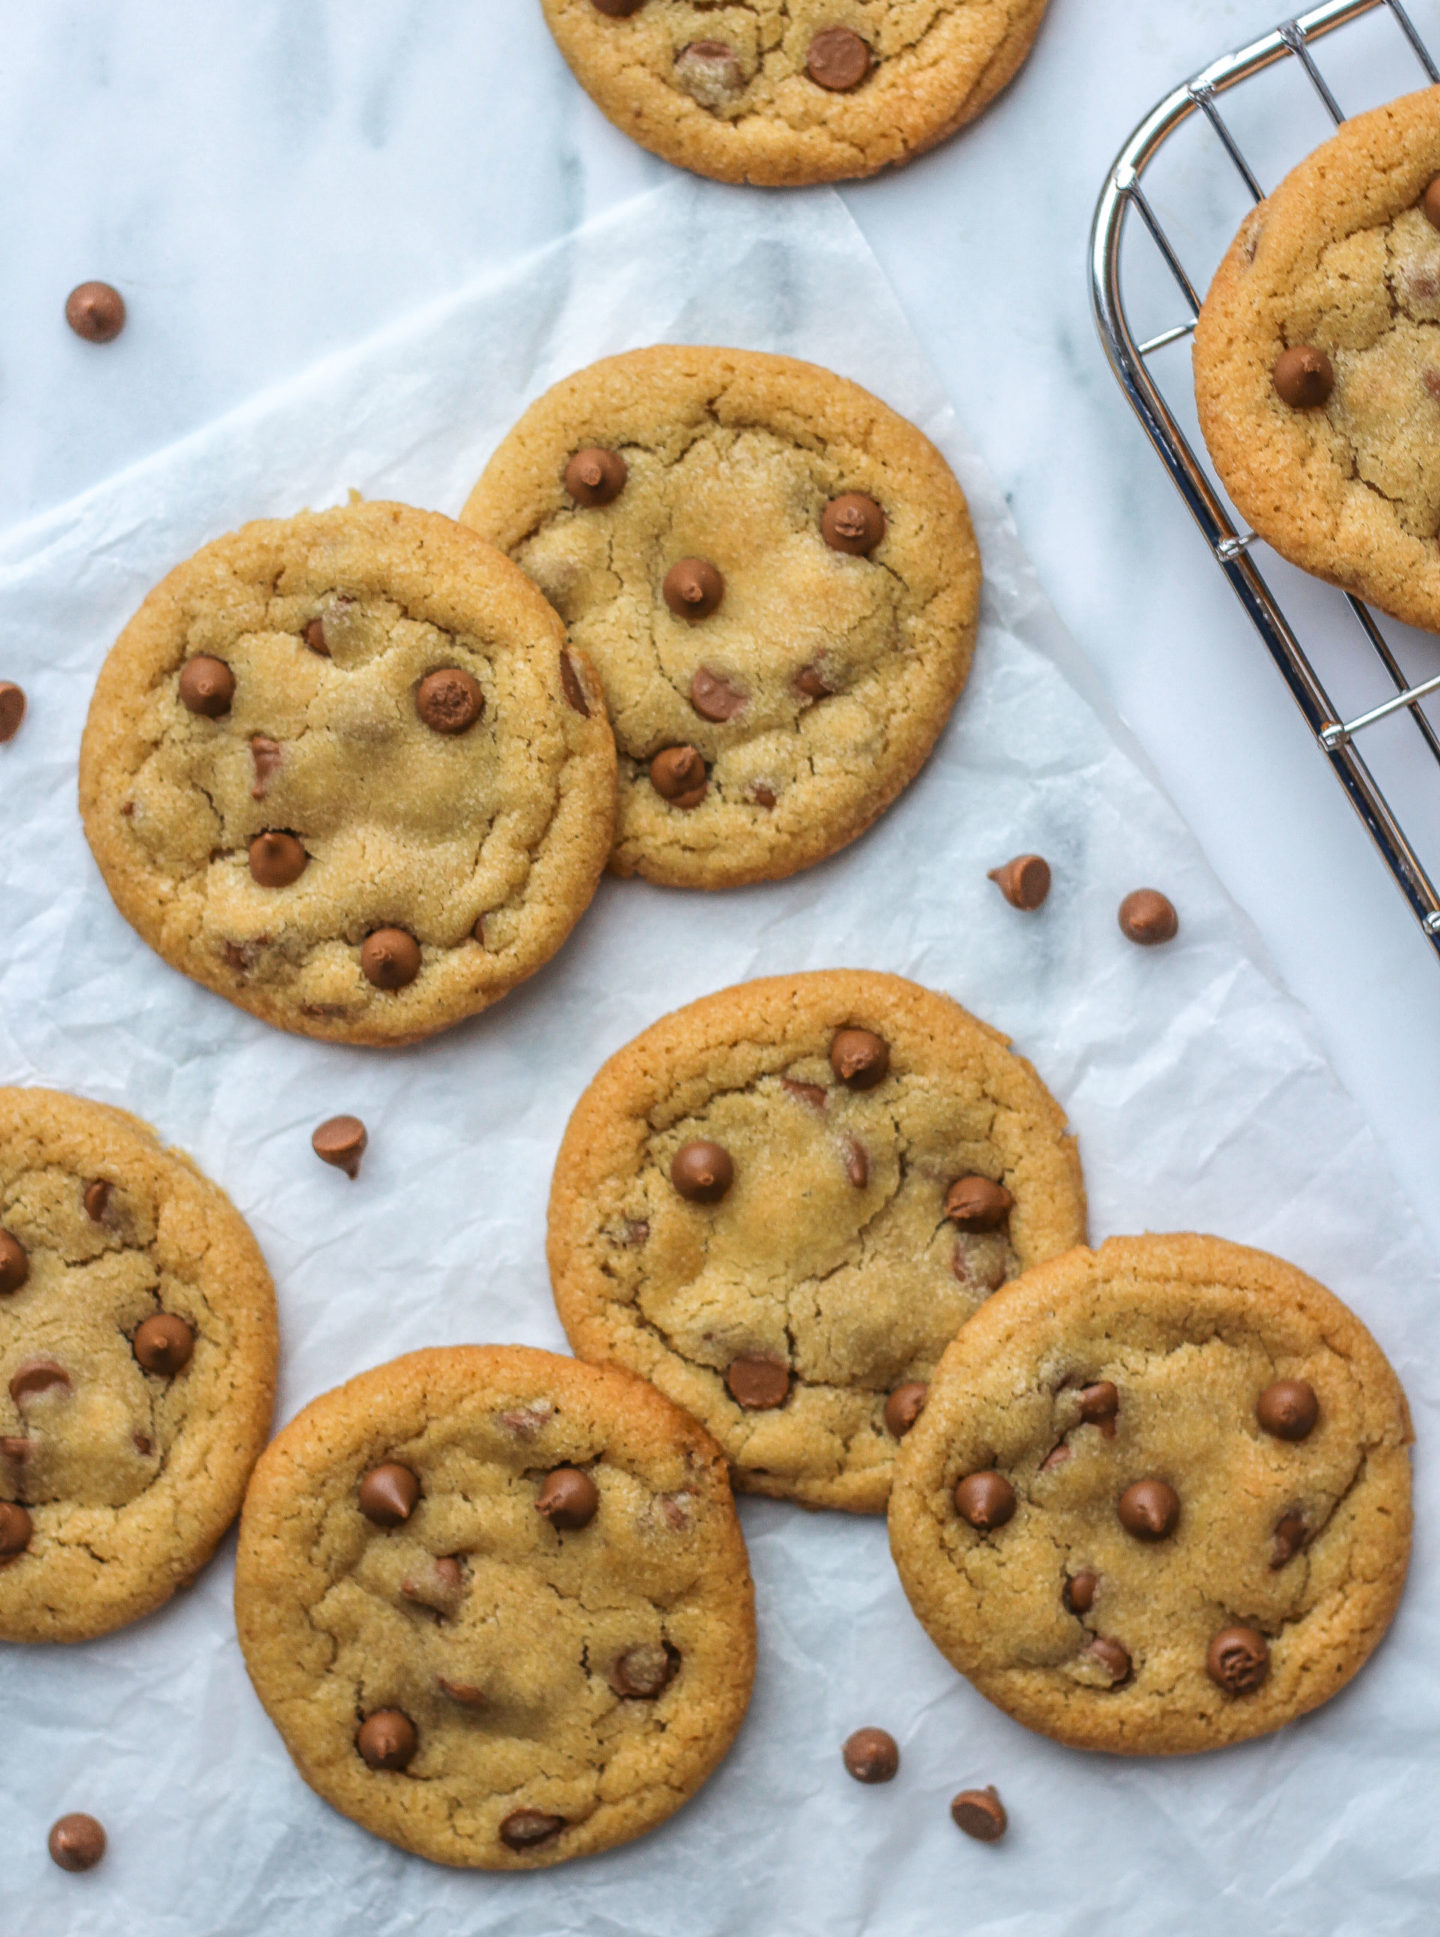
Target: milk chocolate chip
[
  {"x": 811, "y": 683},
  {"x": 871, "y": 1755},
  {"x": 569, "y": 1499},
  {"x": 837, "y": 59},
  {"x": 977, "y": 1204},
  {"x": 16, "y": 1528},
  {"x": 77, "y": 1842},
  {"x": 1288, "y": 1409},
  {"x": 14, "y": 1264},
  {"x": 387, "y": 1739},
  {"x": 95, "y": 311},
  {"x": 860, "y": 1058},
  {"x": 96, "y": 1200},
  {"x": 986, "y": 1500},
  {"x": 1148, "y": 917},
  {"x": 573, "y": 687},
  {"x": 1112, "y": 1656},
  {"x": 1303, "y": 377},
  {"x": 757, "y": 1383},
  {"x": 267, "y": 755},
  {"x": 852, "y": 523},
  {"x": 702, "y": 1172},
  {"x": 904, "y": 1407},
  {"x": 678, "y": 775},
  {"x": 594, "y": 477},
  {"x": 693, "y": 588},
  {"x": 981, "y": 1814},
  {"x": 389, "y": 1494},
  {"x": 524, "y": 1829},
  {"x": 644, "y": 1671},
  {"x": 390, "y": 958},
  {"x": 1149, "y": 1509},
  {"x": 449, "y": 700},
  {"x": 164, "y": 1344},
  {"x": 710, "y": 72},
  {"x": 315, "y": 638},
  {"x": 1078, "y": 1593},
  {"x": 1430, "y": 202},
  {"x": 715, "y": 698},
  {"x": 1238, "y": 1659},
  {"x": 1289, "y": 1537},
  {"x": 207, "y": 686},
  {"x": 617, "y": 9},
  {"x": 1024, "y": 882},
  {"x": 341, "y": 1141},
  {"x": 37, "y": 1376},
  {"x": 12, "y": 709},
  {"x": 857, "y": 1163},
  {"x": 1099, "y": 1405},
  {"x": 277, "y": 859}
]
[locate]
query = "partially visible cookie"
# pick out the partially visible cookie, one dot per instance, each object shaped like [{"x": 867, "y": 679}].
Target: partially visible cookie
[
  {"x": 1159, "y": 1498},
  {"x": 498, "y": 1604},
  {"x": 780, "y": 1203},
  {"x": 137, "y": 1367},
  {"x": 343, "y": 769},
  {"x": 1317, "y": 366},
  {"x": 785, "y": 92}
]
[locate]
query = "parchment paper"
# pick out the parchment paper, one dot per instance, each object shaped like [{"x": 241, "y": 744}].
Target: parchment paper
[{"x": 1197, "y": 1088}]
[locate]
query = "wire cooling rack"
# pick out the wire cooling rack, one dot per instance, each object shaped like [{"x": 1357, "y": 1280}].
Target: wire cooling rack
[{"x": 1346, "y": 55}]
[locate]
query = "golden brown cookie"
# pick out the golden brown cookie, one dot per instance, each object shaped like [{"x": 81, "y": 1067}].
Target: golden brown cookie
[
  {"x": 137, "y": 1367},
  {"x": 1317, "y": 362},
  {"x": 1159, "y": 1498},
  {"x": 783, "y": 92},
  {"x": 779, "y": 1204},
  {"x": 776, "y": 579},
  {"x": 498, "y": 1604},
  {"x": 343, "y": 769}
]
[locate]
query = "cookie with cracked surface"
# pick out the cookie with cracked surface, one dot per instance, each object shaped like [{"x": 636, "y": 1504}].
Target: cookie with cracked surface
[
  {"x": 776, "y": 579},
  {"x": 498, "y": 1604},
  {"x": 785, "y": 92},
  {"x": 1317, "y": 362},
  {"x": 1159, "y": 1497},
  {"x": 137, "y": 1367},
  {"x": 343, "y": 769},
  {"x": 780, "y": 1203}
]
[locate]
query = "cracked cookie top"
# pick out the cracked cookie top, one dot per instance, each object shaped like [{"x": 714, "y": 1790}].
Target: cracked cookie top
[
  {"x": 776, "y": 579},
  {"x": 1159, "y": 1497},
  {"x": 343, "y": 769},
  {"x": 781, "y": 1202},
  {"x": 498, "y": 1604},
  {"x": 137, "y": 1367},
  {"x": 1317, "y": 362},
  {"x": 783, "y": 92}
]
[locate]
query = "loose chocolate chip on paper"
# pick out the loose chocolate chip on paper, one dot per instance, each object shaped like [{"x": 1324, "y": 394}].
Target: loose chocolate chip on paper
[
  {"x": 1148, "y": 917},
  {"x": 1024, "y": 882},
  {"x": 12, "y": 709},
  {"x": 341, "y": 1141},
  {"x": 95, "y": 311},
  {"x": 871, "y": 1755},
  {"x": 981, "y": 1814},
  {"x": 77, "y": 1842}
]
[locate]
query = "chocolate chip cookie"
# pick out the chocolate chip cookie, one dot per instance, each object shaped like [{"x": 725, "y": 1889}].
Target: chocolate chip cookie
[
  {"x": 1317, "y": 362},
  {"x": 498, "y": 1604},
  {"x": 781, "y": 1202},
  {"x": 777, "y": 580},
  {"x": 137, "y": 1367},
  {"x": 783, "y": 92},
  {"x": 1159, "y": 1496},
  {"x": 343, "y": 769}
]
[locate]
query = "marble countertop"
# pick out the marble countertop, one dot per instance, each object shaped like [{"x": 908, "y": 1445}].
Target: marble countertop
[{"x": 269, "y": 179}]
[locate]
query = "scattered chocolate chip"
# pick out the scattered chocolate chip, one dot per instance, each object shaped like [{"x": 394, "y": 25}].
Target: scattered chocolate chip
[
  {"x": 526, "y": 1829},
  {"x": 12, "y": 709},
  {"x": 207, "y": 686},
  {"x": 526, "y": 1421},
  {"x": 16, "y": 1528},
  {"x": 1112, "y": 1657},
  {"x": 1024, "y": 882},
  {"x": 871, "y": 1755},
  {"x": 812, "y": 1094},
  {"x": 637, "y": 1231},
  {"x": 1303, "y": 377},
  {"x": 710, "y": 72},
  {"x": 644, "y": 1671},
  {"x": 569, "y": 1499},
  {"x": 449, "y": 700},
  {"x": 618, "y": 9},
  {"x": 1149, "y": 1509},
  {"x": 573, "y": 686},
  {"x": 860, "y": 1058},
  {"x": 852, "y": 523},
  {"x": 466, "y": 1693},
  {"x": 757, "y": 1383},
  {"x": 693, "y": 588},
  {"x": 811, "y": 683},
  {"x": 1148, "y": 917},
  {"x": 96, "y": 1199},
  {"x": 714, "y": 698},
  {"x": 763, "y": 796},
  {"x": 267, "y": 755},
  {"x": 1078, "y": 1593},
  {"x": 164, "y": 1344},
  {"x": 450, "y": 1572},
  {"x": 387, "y": 1739},
  {"x": 77, "y": 1842},
  {"x": 981, "y": 1814},
  {"x": 37, "y": 1376},
  {"x": 1430, "y": 202},
  {"x": 95, "y": 311},
  {"x": 1238, "y": 1659},
  {"x": 389, "y": 1494},
  {"x": 977, "y": 1204},
  {"x": 857, "y": 1164},
  {"x": 1289, "y": 1537},
  {"x": 315, "y": 638},
  {"x": 1288, "y": 1409},
  {"x": 390, "y": 958},
  {"x": 477, "y": 932},
  {"x": 594, "y": 477},
  {"x": 341, "y": 1141},
  {"x": 14, "y": 1264},
  {"x": 678, "y": 775},
  {"x": 1057, "y": 1456},
  {"x": 1099, "y": 1405},
  {"x": 975, "y": 1265},
  {"x": 837, "y": 59},
  {"x": 702, "y": 1172},
  {"x": 277, "y": 859},
  {"x": 986, "y": 1500},
  {"x": 904, "y": 1407}
]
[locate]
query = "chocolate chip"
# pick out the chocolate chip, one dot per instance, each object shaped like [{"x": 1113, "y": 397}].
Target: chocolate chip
[
  {"x": 341, "y": 1141},
  {"x": 757, "y": 1383},
  {"x": 693, "y": 588},
  {"x": 1289, "y": 1537},
  {"x": 389, "y": 1494},
  {"x": 986, "y": 1500},
  {"x": 1303, "y": 377},
  {"x": 569, "y": 1499},
  {"x": 12, "y": 709},
  {"x": 164, "y": 1344},
  {"x": 714, "y": 698},
  {"x": 973, "y": 1267},
  {"x": 207, "y": 686},
  {"x": 526, "y": 1829},
  {"x": 977, "y": 1204},
  {"x": 1112, "y": 1657},
  {"x": 1078, "y": 1593},
  {"x": 387, "y": 1739},
  {"x": 1288, "y": 1409},
  {"x": 644, "y": 1671},
  {"x": 573, "y": 686},
  {"x": 37, "y": 1376},
  {"x": 860, "y": 1058},
  {"x": 678, "y": 775},
  {"x": 710, "y": 72},
  {"x": 96, "y": 1200},
  {"x": 77, "y": 1842},
  {"x": 811, "y": 683},
  {"x": 439, "y": 1588},
  {"x": 267, "y": 756},
  {"x": 763, "y": 796},
  {"x": 315, "y": 638},
  {"x": 15, "y": 1448},
  {"x": 852, "y": 523},
  {"x": 1149, "y": 1509},
  {"x": 466, "y": 1693},
  {"x": 1057, "y": 1456},
  {"x": 277, "y": 859},
  {"x": 1430, "y": 202},
  {"x": 95, "y": 311},
  {"x": 16, "y": 1528},
  {"x": 702, "y": 1172},
  {"x": 390, "y": 958},
  {"x": 1238, "y": 1659},
  {"x": 1024, "y": 882},
  {"x": 1148, "y": 917},
  {"x": 449, "y": 700},
  {"x": 14, "y": 1264},
  {"x": 904, "y": 1407},
  {"x": 811, "y": 1094},
  {"x": 617, "y": 9},
  {"x": 1099, "y": 1405},
  {"x": 871, "y": 1755},
  {"x": 451, "y": 1573},
  {"x": 837, "y": 59},
  {"x": 594, "y": 477},
  {"x": 857, "y": 1164},
  {"x": 981, "y": 1814}
]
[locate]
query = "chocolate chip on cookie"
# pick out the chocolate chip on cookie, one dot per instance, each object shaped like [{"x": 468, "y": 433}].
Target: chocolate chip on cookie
[
  {"x": 16, "y": 1528},
  {"x": 1303, "y": 377},
  {"x": 1024, "y": 882},
  {"x": 164, "y": 1344},
  {"x": 389, "y": 1494},
  {"x": 569, "y": 1499},
  {"x": 852, "y": 523},
  {"x": 314, "y": 636},
  {"x": 95, "y": 311},
  {"x": 860, "y": 1058},
  {"x": 1290, "y": 1535},
  {"x": 702, "y": 1171},
  {"x": 1148, "y": 917},
  {"x": 594, "y": 477},
  {"x": 617, "y": 9},
  {"x": 14, "y": 1264},
  {"x": 715, "y": 698},
  {"x": 981, "y": 1814},
  {"x": 904, "y": 1407},
  {"x": 678, "y": 775},
  {"x": 1288, "y": 1409},
  {"x": 77, "y": 1842},
  {"x": 341, "y": 1141},
  {"x": 1078, "y": 1592},
  {"x": 39, "y": 1378},
  {"x": 987, "y": 1500},
  {"x": 449, "y": 700},
  {"x": 207, "y": 686},
  {"x": 1112, "y": 1657},
  {"x": 1099, "y": 1404},
  {"x": 645, "y": 1671},
  {"x": 757, "y": 1383},
  {"x": 388, "y": 1739},
  {"x": 527, "y": 1829},
  {"x": 857, "y": 1163},
  {"x": 710, "y": 72},
  {"x": 1238, "y": 1660},
  {"x": 838, "y": 59},
  {"x": 277, "y": 859},
  {"x": 871, "y": 1755},
  {"x": 1150, "y": 1509},
  {"x": 693, "y": 588},
  {"x": 96, "y": 1199},
  {"x": 267, "y": 754},
  {"x": 811, "y": 683},
  {"x": 978, "y": 1204},
  {"x": 390, "y": 958}
]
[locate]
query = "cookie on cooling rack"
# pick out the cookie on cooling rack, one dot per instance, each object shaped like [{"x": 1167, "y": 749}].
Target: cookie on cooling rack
[
  {"x": 776, "y": 579},
  {"x": 1317, "y": 362},
  {"x": 1159, "y": 1497},
  {"x": 780, "y": 1202},
  {"x": 794, "y": 91}
]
